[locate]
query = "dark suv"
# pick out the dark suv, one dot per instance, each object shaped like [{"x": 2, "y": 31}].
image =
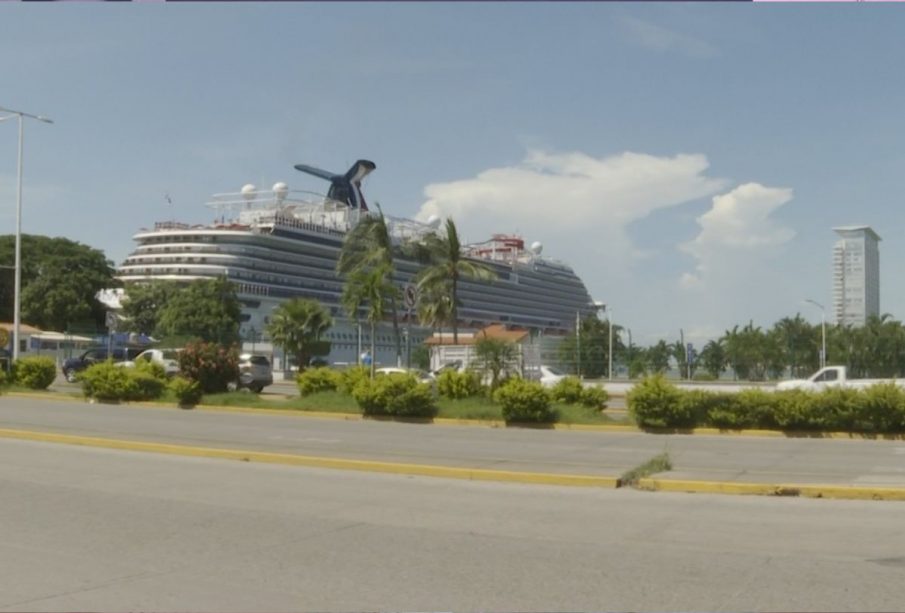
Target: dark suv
[{"x": 72, "y": 366}]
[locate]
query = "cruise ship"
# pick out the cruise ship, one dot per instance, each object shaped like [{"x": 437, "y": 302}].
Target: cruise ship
[{"x": 278, "y": 244}]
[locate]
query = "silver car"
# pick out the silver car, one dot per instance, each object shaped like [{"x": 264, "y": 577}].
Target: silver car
[{"x": 255, "y": 372}]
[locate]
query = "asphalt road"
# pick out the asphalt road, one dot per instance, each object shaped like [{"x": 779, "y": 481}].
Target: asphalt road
[
  {"x": 104, "y": 530},
  {"x": 739, "y": 459}
]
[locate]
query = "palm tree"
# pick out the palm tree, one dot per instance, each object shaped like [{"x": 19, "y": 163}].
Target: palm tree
[
  {"x": 366, "y": 246},
  {"x": 494, "y": 356},
  {"x": 713, "y": 357},
  {"x": 374, "y": 290},
  {"x": 441, "y": 278},
  {"x": 297, "y": 325},
  {"x": 434, "y": 308}
]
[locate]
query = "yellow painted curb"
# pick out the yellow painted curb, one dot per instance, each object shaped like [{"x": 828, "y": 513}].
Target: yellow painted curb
[
  {"x": 845, "y": 492},
  {"x": 425, "y": 470}
]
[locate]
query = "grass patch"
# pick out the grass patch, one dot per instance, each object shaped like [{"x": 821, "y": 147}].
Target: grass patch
[
  {"x": 21, "y": 389},
  {"x": 657, "y": 464},
  {"x": 328, "y": 402},
  {"x": 476, "y": 407},
  {"x": 580, "y": 414}
]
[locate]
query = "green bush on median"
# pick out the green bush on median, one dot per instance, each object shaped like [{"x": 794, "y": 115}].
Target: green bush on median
[
  {"x": 188, "y": 393},
  {"x": 568, "y": 390},
  {"x": 458, "y": 385},
  {"x": 524, "y": 401},
  {"x": 107, "y": 382},
  {"x": 315, "y": 380},
  {"x": 654, "y": 402},
  {"x": 395, "y": 394},
  {"x": 35, "y": 373}
]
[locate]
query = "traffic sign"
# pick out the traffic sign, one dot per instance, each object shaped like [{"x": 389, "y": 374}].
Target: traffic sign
[{"x": 410, "y": 296}]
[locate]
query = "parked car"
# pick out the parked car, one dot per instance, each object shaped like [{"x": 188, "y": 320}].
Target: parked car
[
  {"x": 167, "y": 358},
  {"x": 255, "y": 372},
  {"x": 549, "y": 376},
  {"x": 73, "y": 366}
]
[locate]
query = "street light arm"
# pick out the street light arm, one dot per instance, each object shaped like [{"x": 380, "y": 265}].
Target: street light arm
[{"x": 23, "y": 114}]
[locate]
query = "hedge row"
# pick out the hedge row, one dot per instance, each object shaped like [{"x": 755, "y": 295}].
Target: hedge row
[{"x": 881, "y": 408}]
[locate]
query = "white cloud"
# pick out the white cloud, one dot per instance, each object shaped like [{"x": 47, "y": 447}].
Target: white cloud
[
  {"x": 659, "y": 38},
  {"x": 737, "y": 233},
  {"x": 578, "y": 205}
]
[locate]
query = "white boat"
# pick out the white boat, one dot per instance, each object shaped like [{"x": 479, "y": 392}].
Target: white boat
[{"x": 278, "y": 244}]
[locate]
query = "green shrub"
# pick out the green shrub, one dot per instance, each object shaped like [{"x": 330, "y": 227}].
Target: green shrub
[
  {"x": 568, "y": 390},
  {"x": 749, "y": 408},
  {"x": 213, "y": 366},
  {"x": 594, "y": 397},
  {"x": 524, "y": 401},
  {"x": 188, "y": 393},
  {"x": 395, "y": 394},
  {"x": 833, "y": 409},
  {"x": 794, "y": 409},
  {"x": 457, "y": 385},
  {"x": 35, "y": 373},
  {"x": 653, "y": 402},
  {"x": 151, "y": 368},
  {"x": 108, "y": 382},
  {"x": 314, "y": 380},
  {"x": 5, "y": 379},
  {"x": 351, "y": 377},
  {"x": 146, "y": 385},
  {"x": 881, "y": 409}
]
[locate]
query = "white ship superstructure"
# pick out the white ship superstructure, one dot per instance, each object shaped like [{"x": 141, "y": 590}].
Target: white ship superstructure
[{"x": 278, "y": 244}]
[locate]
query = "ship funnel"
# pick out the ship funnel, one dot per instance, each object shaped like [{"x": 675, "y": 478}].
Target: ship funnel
[{"x": 345, "y": 188}]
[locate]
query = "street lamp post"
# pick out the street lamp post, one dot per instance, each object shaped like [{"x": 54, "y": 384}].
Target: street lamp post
[
  {"x": 823, "y": 331},
  {"x": 18, "y": 282},
  {"x": 609, "y": 320}
]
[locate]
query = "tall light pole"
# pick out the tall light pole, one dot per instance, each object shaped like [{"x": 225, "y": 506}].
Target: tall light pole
[
  {"x": 18, "y": 282},
  {"x": 609, "y": 316},
  {"x": 823, "y": 330}
]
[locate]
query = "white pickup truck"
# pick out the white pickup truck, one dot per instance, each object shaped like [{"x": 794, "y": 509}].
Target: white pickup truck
[
  {"x": 167, "y": 358},
  {"x": 832, "y": 376}
]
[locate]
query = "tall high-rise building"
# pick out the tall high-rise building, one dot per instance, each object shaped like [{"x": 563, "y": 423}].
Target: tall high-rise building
[{"x": 856, "y": 275}]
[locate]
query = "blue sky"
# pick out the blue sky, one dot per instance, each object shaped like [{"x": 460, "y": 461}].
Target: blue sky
[{"x": 688, "y": 160}]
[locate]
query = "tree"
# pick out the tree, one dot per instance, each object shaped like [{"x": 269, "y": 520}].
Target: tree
[
  {"x": 434, "y": 307},
  {"x": 296, "y": 326},
  {"x": 799, "y": 343},
  {"x": 595, "y": 347},
  {"x": 658, "y": 356},
  {"x": 713, "y": 358},
  {"x": 447, "y": 268},
  {"x": 494, "y": 356},
  {"x": 365, "y": 247},
  {"x": 206, "y": 309},
  {"x": 59, "y": 281},
  {"x": 371, "y": 289},
  {"x": 144, "y": 302}
]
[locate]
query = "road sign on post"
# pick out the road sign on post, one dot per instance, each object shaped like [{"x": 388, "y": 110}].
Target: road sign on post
[{"x": 410, "y": 296}]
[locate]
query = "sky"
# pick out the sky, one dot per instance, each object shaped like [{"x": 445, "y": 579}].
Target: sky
[{"x": 688, "y": 160}]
